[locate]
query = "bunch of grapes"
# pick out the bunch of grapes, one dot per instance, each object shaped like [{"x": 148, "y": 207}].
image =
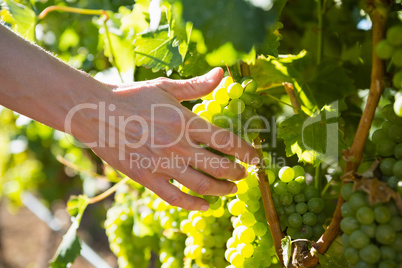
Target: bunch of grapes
[
  {"x": 299, "y": 206},
  {"x": 390, "y": 49},
  {"x": 372, "y": 234},
  {"x": 235, "y": 107},
  {"x": 251, "y": 244},
  {"x": 388, "y": 142},
  {"x": 207, "y": 233}
]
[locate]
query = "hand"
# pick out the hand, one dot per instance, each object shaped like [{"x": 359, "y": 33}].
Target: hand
[{"x": 154, "y": 139}]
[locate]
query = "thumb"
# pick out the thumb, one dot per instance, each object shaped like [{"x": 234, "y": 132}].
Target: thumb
[{"x": 194, "y": 88}]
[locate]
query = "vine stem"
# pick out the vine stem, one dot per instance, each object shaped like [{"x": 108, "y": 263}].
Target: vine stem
[
  {"x": 108, "y": 192},
  {"x": 355, "y": 154},
  {"x": 266, "y": 195},
  {"x": 76, "y": 10}
]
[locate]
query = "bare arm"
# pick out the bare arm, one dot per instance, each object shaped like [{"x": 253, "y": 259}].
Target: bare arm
[{"x": 141, "y": 129}]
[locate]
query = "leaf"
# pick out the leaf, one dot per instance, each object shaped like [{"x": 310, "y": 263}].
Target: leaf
[
  {"x": 334, "y": 256},
  {"x": 70, "y": 246},
  {"x": 246, "y": 26},
  {"x": 286, "y": 245},
  {"x": 156, "y": 51},
  {"x": 314, "y": 139},
  {"x": 24, "y": 18},
  {"x": 194, "y": 64}
]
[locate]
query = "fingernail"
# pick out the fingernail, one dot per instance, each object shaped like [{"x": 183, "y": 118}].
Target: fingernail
[
  {"x": 234, "y": 190},
  {"x": 255, "y": 161},
  {"x": 204, "y": 207}
]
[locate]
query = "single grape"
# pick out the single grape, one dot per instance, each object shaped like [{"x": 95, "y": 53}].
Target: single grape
[
  {"x": 398, "y": 106},
  {"x": 246, "y": 250},
  {"x": 395, "y": 133},
  {"x": 295, "y": 220},
  {"x": 290, "y": 209},
  {"x": 349, "y": 224},
  {"x": 309, "y": 218},
  {"x": 347, "y": 210},
  {"x": 394, "y": 35},
  {"x": 235, "y": 90},
  {"x": 290, "y": 231},
  {"x": 205, "y": 115},
  {"x": 249, "y": 85},
  {"x": 384, "y": 49},
  {"x": 294, "y": 187},
  {"x": 387, "y": 165},
  {"x": 306, "y": 232},
  {"x": 358, "y": 199},
  {"x": 236, "y": 106},
  {"x": 245, "y": 234},
  {"x": 213, "y": 107},
  {"x": 198, "y": 108},
  {"x": 397, "y": 57},
  {"x": 280, "y": 187},
  {"x": 387, "y": 253},
  {"x": 379, "y": 135},
  {"x": 300, "y": 197},
  {"x": 318, "y": 231},
  {"x": 286, "y": 199},
  {"x": 236, "y": 259},
  {"x": 310, "y": 192},
  {"x": 387, "y": 264},
  {"x": 397, "y": 169},
  {"x": 370, "y": 254},
  {"x": 369, "y": 229},
  {"x": 352, "y": 255},
  {"x": 365, "y": 215},
  {"x": 236, "y": 207},
  {"x": 382, "y": 214},
  {"x": 385, "y": 147},
  {"x": 398, "y": 151},
  {"x": 358, "y": 239},
  {"x": 396, "y": 223},
  {"x": 397, "y": 80},
  {"x": 301, "y": 208},
  {"x": 260, "y": 228},
  {"x": 286, "y": 174},
  {"x": 247, "y": 219},
  {"x": 316, "y": 205},
  {"x": 227, "y": 81},
  {"x": 345, "y": 241},
  {"x": 385, "y": 234},
  {"x": 362, "y": 264},
  {"x": 271, "y": 176},
  {"x": 220, "y": 95}
]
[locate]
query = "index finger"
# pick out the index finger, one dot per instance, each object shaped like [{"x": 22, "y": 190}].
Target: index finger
[{"x": 222, "y": 140}]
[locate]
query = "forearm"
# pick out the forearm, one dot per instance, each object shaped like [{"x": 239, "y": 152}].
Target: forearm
[{"x": 40, "y": 86}]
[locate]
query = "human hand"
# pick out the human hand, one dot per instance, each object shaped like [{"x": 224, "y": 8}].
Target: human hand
[{"x": 144, "y": 132}]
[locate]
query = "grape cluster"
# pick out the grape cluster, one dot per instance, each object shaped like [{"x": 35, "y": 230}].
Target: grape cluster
[
  {"x": 390, "y": 49},
  {"x": 299, "y": 206},
  {"x": 388, "y": 142},
  {"x": 251, "y": 244},
  {"x": 372, "y": 234},
  {"x": 235, "y": 107}
]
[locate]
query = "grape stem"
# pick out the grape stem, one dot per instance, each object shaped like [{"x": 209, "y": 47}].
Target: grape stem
[
  {"x": 355, "y": 154},
  {"x": 83, "y": 11},
  {"x": 292, "y": 96}
]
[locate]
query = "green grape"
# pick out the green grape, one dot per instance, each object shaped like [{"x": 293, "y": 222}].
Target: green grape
[
  {"x": 395, "y": 133},
  {"x": 257, "y": 102},
  {"x": 280, "y": 187},
  {"x": 300, "y": 197},
  {"x": 213, "y": 107},
  {"x": 345, "y": 241},
  {"x": 302, "y": 181},
  {"x": 249, "y": 85},
  {"x": 253, "y": 205},
  {"x": 316, "y": 205},
  {"x": 385, "y": 147},
  {"x": 382, "y": 214},
  {"x": 347, "y": 210},
  {"x": 290, "y": 231},
  {"x": 199, "y": 223},
  {"x": 220, "y": 95},
  {"x": 290, "y": 209},
  {"x": 286, "y": 199},
  {"x": 358, "y": 199},
  {"x": 236, "y": 106},
  {"x": 397, "y": 81},
  {"x": 226, "y": 81},
  {"x": 248, "y": 113},
  {"x": 211, "y": 199},
  {"x": 397, "y": 169},
  {"x": 396, "y": 223},
  {"x": 385, "y": 234},
  {"x": 393, "y": 182},
  {"x": 271, "y": 176},
  {"x": 387, "y": 264},
  {"x": 370, "y": 254},
  {"x": 286, "y": 174},
  {"x": 387, "y": 165},
  {"x": 369, "y": 229},
  {"x": 318, "y": 231},
  {"x": 398, "y": 106},
  {"x": 205, "y": 115},
  {"x": 309, "y": 218},
  {"x": 394, "y": 35},
  {"x": 306, "y": 232},
  {"x": 198, "y": 108},
  {"x": 294, "y": 187},
  {"x": 349, "y": 225},
  {"x": 247, "y": 98},
  {"x": 352, "y": 255},
  {"x": 301, "y": 208},
  {"x": 247, "y": 219},
  {"x": 310, "y": 192},
  {"x": 295, "y": 220},
  {"x": 397, "y": 244},
  {"x": 384, "y": 49},
  {"x": 365, "y": 215},
  {"x": 362, "y": 264},
  {"x": 260, "y": 228},
  {"x": 389, "y": 114},
  {"x": 299, "y": 171},
  {"x": 229, "y": 252},
  {"x": 379, "y": 135},
  {"x": 397, "y": 57},
  {"x": 387, "y": 253},
  {"x": 358, "y": 239},
  {"x": 235, "y": 90},
  {"x": 246, "y": 250},
  {"x": 221, "y": 120},
  {"x": 245, "y": 234},
  {"x": 236, "y": 207},
  {"x": 236, "y": 259},
  {"x": 321, "y": 217}
]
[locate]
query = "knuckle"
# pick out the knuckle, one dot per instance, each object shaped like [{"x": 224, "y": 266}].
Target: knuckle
[
  {"x": 225, "y": 143},
  {"x": 203, "y": 187},
  {"x": 175, "y": 200}
]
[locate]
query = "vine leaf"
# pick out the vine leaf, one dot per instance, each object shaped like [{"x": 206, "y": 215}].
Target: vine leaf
[
  {"x": 157, "y": 50},
  {"x": 286, "y": 250},
  {"x": 70, "y": 246},
  {"x": 314, "y": 139},
  {"x": 24, "y": 19},
  {"x": 334, "y": 257}
]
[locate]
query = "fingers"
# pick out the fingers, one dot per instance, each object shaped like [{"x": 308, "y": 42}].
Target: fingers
[
  {"x": 175, "y": 197},
  {"x": 193, "y": 88},
  {"x": 223, "y": 140},
  {"x": 203, "y": 184}
]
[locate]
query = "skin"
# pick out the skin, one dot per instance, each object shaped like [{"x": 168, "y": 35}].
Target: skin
[{"x": 127, "y": 130}]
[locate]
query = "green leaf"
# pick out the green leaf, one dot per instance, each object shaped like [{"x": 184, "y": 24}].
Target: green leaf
[
  {"x": 194, "y": 64},
  {"x": 156, "y": 50},
  {"x": 286, "y": 245},
  {"x": 24, "y": 18},
  {"x": 70, "y": 246},
  {"x": 235, "y": 21},
  {"x": 334, "y": 256},
  {"x": 314, "y": 139}
]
